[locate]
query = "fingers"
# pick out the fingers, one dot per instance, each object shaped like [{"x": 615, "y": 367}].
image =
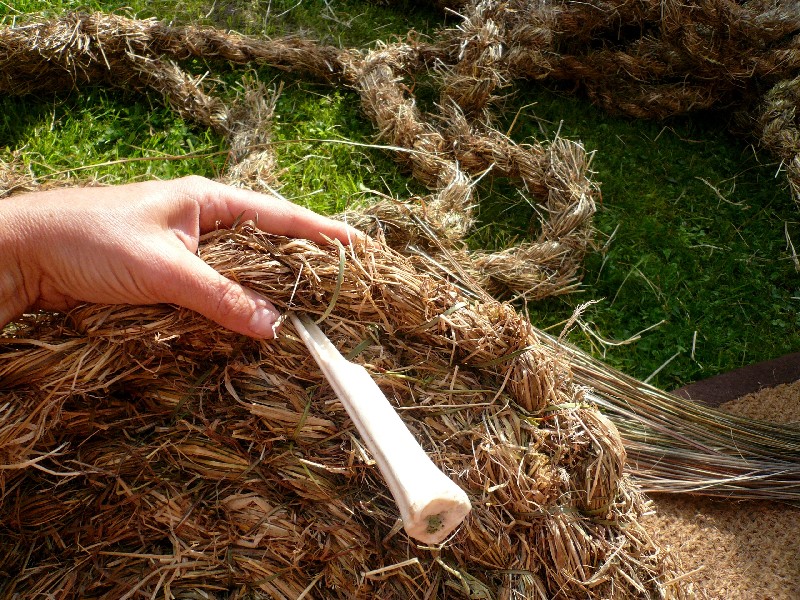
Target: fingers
[
  {"x": 223, "y": 205},
  {"x": 195, "y": 285}
]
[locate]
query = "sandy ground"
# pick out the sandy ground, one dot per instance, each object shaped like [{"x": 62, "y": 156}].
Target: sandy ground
[{"x": 737, "y": 550}]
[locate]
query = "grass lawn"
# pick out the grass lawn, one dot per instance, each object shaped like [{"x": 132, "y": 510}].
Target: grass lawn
[{"x": 693, "y": 228}]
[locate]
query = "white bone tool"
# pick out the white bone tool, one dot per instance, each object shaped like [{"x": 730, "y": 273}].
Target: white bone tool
[{"x": 431, "y": 504}]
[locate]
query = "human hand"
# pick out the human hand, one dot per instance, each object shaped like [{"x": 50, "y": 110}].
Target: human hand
[{"x": 136, "y": 244}]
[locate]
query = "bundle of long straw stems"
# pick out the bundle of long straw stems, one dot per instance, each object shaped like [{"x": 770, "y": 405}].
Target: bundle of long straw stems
[{"x": 676, "y": 445}]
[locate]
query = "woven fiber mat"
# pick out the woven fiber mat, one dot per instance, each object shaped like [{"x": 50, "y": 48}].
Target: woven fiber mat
[{"x": 739, "y": 550}]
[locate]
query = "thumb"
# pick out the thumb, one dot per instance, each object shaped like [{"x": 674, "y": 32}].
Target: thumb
[{"x": 196, "y": 286}]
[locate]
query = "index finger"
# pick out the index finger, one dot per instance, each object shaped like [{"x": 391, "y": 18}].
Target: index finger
[{"x": 224, "y": 205}]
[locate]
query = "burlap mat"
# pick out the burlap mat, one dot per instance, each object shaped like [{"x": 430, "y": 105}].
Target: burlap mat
[{"x": 737, "y": 550}]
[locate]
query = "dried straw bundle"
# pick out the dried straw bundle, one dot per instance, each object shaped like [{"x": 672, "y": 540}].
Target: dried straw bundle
[
  {"x": 558, "y": 175},
  {"x": 15, "y": 178},
  {"x": 146, "y": 450},
  {"x": 76, "y": 49},
  {"x": 645, "y": 58},
  {"x": 251, "y": 162},
  {"x": 779, "y": 126},
  {"x": 648, "y": 59}
]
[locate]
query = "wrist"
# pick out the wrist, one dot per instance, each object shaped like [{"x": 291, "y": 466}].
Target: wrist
[{"x": 16, "y": 294}]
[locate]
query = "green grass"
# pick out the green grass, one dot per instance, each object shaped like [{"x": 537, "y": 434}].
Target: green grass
[
  {"x": 99, "y": 126},
  {"x": 699, "y": 246},
  {"x": 331, "y": 175},
  {"x": 698, "y": 219}
]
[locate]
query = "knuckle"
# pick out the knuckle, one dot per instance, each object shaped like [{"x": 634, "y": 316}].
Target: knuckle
[
  {"x": 229, "y": 301},
  {"x": 195, "y": 180}
]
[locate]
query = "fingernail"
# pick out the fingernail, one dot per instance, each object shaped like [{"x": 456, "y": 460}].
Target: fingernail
[{"x": 263, "y": 322}]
